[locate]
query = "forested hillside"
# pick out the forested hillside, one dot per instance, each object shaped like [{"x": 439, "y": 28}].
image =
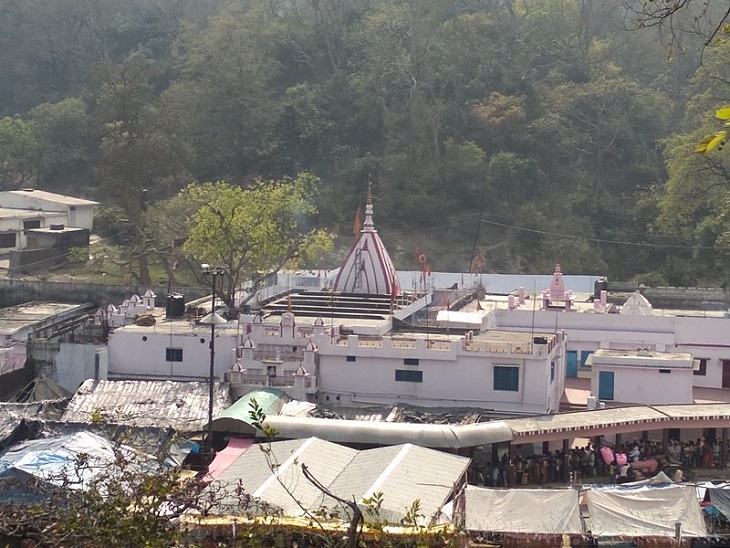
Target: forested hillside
[{"x": 508, "y": 133}]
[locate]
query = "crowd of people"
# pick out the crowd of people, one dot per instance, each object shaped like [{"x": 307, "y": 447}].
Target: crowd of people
[{"x": 627, "y": 462}]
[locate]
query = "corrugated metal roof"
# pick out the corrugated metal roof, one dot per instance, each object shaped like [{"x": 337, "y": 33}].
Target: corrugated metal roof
[
  {"x": 403, "y": 474},
  {"x": 584, "y": 419},
  {"x": 179, "y": 405},
  {"x": 325, "y": 460}
]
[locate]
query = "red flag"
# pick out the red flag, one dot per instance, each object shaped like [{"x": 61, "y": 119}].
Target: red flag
[{"x": 357, "y": 225}]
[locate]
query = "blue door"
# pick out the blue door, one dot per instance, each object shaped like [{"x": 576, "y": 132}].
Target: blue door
[
  {"x": 605, "y": 385},
  {"x": 571, "y": 363}
]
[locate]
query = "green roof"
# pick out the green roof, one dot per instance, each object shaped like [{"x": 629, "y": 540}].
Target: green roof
[{"x": 237, "y": 419}]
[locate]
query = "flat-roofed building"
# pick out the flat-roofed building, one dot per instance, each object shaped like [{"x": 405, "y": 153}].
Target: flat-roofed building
[{"x": 642, "y": 376}]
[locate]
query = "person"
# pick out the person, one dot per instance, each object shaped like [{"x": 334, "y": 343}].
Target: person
[
  {"x": 678, "y": 476},
  {"x": 495, "y": 476},
  {"x": 622, "y": 474}
]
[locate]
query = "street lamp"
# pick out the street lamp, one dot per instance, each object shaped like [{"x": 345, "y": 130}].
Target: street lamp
[{"x": 212, "y": 319}]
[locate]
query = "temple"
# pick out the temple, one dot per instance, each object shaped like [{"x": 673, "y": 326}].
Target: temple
[{"x": 367, "y": 268}]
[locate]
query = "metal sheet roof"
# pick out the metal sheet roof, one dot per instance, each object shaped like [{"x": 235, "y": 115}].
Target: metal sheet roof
[
  {"x": 179, "y": 405},
  {"x": 584, "y": 419},
  {"x": 403, "y": 474},
  {"x": 236, "y": 418},
  {"x": 325, "y": 460}
]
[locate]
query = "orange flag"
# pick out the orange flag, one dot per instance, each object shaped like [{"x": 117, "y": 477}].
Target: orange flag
[{"x": 357, "y": 225}]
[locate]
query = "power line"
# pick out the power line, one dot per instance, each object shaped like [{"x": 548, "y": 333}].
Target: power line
[
  {"x": 599, "y": 240},
  {"x": 441, "y": 227}
]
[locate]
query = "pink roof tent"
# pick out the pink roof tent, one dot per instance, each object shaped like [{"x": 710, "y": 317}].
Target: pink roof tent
[{"x": 367, "y": 268}]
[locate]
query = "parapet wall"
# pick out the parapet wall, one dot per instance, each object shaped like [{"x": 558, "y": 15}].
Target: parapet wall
[
  {"x": 691, "y": 298},
  {"x": 14, "y": 292}
]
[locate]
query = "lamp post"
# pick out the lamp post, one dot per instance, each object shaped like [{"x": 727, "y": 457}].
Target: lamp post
[{"x": 212, "y": 319}]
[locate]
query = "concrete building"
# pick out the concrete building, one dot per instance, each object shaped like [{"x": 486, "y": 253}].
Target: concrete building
[
  {"x": 642, "y": 376},
  {"x": 353, "y": 345},
  {"x": 75, "y": 212}
]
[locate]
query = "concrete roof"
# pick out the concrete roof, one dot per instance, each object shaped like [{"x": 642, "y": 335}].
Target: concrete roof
[
  {"x": 50, "y": 196},
  {"x": 15, "y": 318},
  {"x": 179, "y": 405}
]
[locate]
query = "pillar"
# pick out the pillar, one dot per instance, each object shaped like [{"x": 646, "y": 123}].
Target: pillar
[
  {"x": 545, "y": 447},
  {"x": 619, "y": 441},
  {"x": 665, "y": 439},
  {"x": 644, "y": 435},
  {"x": 723, "y": 449},
  {"x": 566, "y": 460}
]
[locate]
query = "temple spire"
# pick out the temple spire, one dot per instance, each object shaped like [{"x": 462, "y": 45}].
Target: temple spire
[{"x": 367, "y": 268}]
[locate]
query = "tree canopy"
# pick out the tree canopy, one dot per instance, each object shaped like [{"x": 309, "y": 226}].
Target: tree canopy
[
  {"x": 538, "y": 119},
  {"x": 253, "y": 231}
]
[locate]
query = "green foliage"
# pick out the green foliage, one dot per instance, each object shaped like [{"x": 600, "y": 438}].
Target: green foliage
[
  {"x": 18, "y": 152},
  {"x": 452, "y": 109},
  {"x": 254, "y": 231},
  {"x": 65, "y": 147}
]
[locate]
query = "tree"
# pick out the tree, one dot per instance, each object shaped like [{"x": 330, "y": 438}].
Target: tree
[
  {"x": 66, "y": 146},
  {"x": 141, "y": 157},
  {"x": 18, "y": 152},
  {"x": 254, "y": 231}
]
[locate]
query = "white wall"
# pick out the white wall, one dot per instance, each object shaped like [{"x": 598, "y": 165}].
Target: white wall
[
  {"x": 130, "y": 356},
  {"x": 450, "y": 378},
  {"x": 77, "y": 362},
  {"x": 703, "y": 337},
  {"x": 15, "y": 224},
  {"x": 83, "y": 217},
  {"x": 646, "y": 385}
]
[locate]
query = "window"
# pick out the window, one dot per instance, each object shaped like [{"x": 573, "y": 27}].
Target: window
[
  {"x": 702, "y": 371},
  {"x": 410, "y": 361},
  {"x": 7, "y": 239},
  {"x": 506, "y": 378},
  {"x": 351, "y": 358},
  {"x": 584, "y": 357},
  {"x": 665, "y": 371},
  {"x": 31, "y": 223},
  {"x": 405, "y": 375},
  {"x": 174, "y": 354}
]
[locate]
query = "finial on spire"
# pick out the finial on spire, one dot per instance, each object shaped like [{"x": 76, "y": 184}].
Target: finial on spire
[{"x": 368, "y": 224}]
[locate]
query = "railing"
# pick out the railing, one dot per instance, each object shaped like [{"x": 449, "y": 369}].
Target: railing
[
  {"x": 443, "y": 345},
  {"x": 260, "y": 379}
]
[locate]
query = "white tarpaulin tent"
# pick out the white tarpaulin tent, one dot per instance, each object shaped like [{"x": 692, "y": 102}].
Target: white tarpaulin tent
[
  {"x": 539, "y": 511},
  {"x": 644, "y": 511}
]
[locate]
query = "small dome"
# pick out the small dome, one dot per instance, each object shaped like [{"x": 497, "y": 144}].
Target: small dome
[
  {"x": 248, "y": 343},
  {"x": 319, "y": 321},
  {"x": 637, "y": 305},
  {"x": 237, "y": 366},
  {"x": 310, "y": 347},
  {"x": 301, "y": 371},
  {"x": 150, "y": 294}
]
